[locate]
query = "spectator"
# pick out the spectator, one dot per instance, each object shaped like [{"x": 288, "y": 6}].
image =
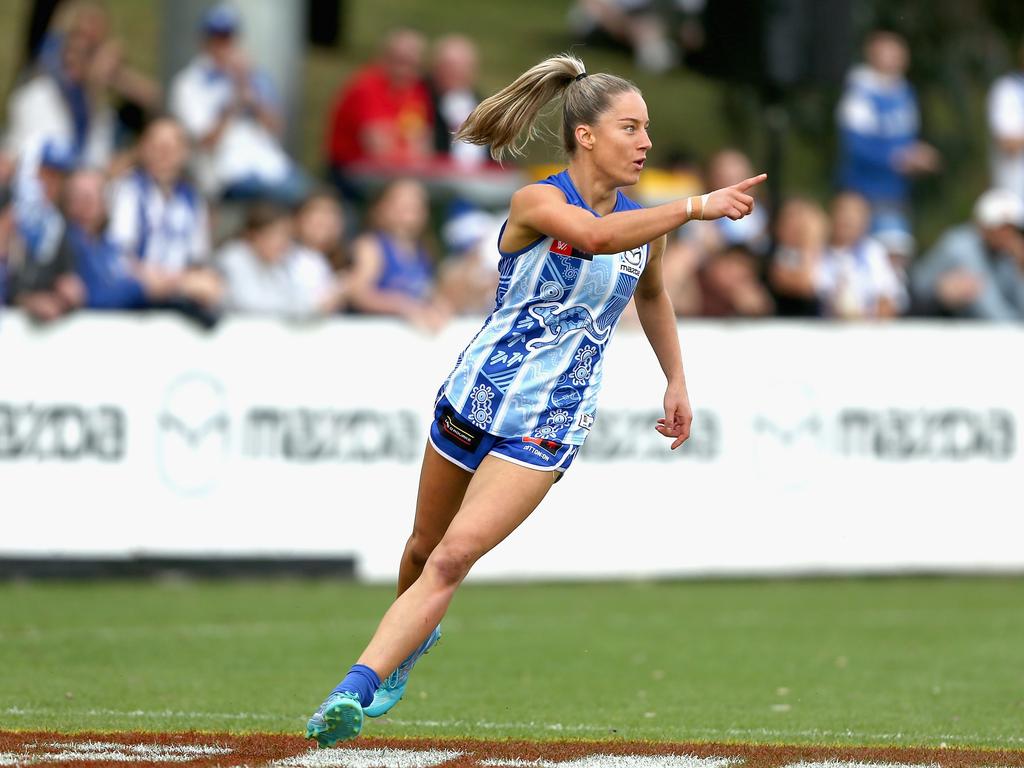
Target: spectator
[
  {"x": 454, "y": 95},
  {"x": 879, "y": 127},
  {"x": 66, "y": 106},
  {"x": 801, "y": 234},
  {"x": 680, "y": 264},
  {"x": 157, "y": 216},
  {"x": 231, "y": 111},
  {"x": 976, "y": 269},
  {"x": 856, "y": 279},
  {"x": 41, "y": 268},
  {"x": 636, "y": 25},
  {"x": 112, "y": 279},
  {"x": 383, "y": 114},
  {"x": 725, "y": 168},
  {"x": 730, "y": 286},
  {"x": 267, "y": 273},
  {"x": 1006, "y": 124},
  {"x": 392, "y": 269},
  {"x": 468, "y": 279},
  {"x": 320, "y": 226},
  {"x": 138, "y": 93}
]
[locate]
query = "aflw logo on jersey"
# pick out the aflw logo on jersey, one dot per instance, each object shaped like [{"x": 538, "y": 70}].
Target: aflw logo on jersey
[{"x": 562, "y": 248}]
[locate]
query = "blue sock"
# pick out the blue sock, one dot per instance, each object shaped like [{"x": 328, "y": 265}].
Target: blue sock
[{"x": 362, "y": 681}]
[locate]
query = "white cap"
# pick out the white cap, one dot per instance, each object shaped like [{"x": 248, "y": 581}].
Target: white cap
[{"x": 998, "y": 207}]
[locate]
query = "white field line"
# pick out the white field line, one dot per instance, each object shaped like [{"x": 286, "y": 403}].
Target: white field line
[
  {"x": 684, "y": 732},
  {"x": 96, "y": 751},
  {"x": 369, "y": 758},
  {"x": 618, "y": 761}
]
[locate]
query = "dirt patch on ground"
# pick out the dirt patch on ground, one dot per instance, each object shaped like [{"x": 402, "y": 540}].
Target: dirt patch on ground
[{"x": 200, "y": 750}]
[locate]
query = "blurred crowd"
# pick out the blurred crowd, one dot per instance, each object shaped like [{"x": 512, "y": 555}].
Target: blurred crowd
[{"x": 116, "y": 195}]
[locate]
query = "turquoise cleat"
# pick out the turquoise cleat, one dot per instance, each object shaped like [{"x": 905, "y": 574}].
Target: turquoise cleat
[
  {"x": 339, "y": 718},
  {"x": 392, "y": 688}
]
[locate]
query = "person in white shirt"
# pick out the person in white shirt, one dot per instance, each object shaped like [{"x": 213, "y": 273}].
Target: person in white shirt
[
  {"x": 67, "y": 106},
  {"x": 156, "y": 215},
  {"x": 453, "y": 91},
  {"x": 231, "y": 111},
  {"x": 1006, "y": 124},
  {"x": 855, "y": 277},
  {"x": 267, "y": 273}
]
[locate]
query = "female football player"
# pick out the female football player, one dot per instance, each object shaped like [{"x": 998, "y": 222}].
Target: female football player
[{"x": 522, "y": 396}]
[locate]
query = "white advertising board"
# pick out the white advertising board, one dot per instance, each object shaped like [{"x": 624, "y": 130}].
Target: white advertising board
[{"x": 815, "y": 448}]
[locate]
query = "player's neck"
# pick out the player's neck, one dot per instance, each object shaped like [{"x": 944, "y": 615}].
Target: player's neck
[{"x": 596, "y": 189}]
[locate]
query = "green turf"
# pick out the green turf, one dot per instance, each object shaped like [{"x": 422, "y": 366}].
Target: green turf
[{"x": 886, "y": 661}]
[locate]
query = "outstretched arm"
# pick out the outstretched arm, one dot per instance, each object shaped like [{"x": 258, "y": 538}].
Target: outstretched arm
[
  {"x": 654, "y": 308},
  {"x": 540, "y": 209}
]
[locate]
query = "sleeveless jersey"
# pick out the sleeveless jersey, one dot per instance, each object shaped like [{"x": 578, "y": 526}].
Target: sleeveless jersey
[
  {"x": 403, "y": 271},
  {"x": 534, "y": 369}
]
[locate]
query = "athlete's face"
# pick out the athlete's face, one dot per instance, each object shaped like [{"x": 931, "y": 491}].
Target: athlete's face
[{"x": 620, "y": 140}]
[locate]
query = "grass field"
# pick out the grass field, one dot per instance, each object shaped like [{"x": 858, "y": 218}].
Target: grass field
[{"x": 915, "y": 661}]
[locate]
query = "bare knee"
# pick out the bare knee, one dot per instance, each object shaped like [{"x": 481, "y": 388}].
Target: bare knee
[
  {"x": 450, "y": 562},
  {"x": 418, "y": 548}
]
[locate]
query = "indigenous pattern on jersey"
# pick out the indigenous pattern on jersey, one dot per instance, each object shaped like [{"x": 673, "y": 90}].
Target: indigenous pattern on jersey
[{"x": 534, "y": 369}]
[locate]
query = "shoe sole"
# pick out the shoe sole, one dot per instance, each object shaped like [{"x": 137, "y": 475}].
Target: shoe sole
[{"x": 343, "y": 720}]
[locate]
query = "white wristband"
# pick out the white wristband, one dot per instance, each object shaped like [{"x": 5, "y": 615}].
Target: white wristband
[
  {"x": 689, "y": 208},
  {"x": 704, "y": 204}
]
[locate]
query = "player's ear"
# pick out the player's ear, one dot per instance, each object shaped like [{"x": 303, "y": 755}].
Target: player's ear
[{"x": 584, "y": 136}]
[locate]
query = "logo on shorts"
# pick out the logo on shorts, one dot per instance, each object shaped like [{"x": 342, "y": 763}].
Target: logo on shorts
[
  {"x": 458, "y": 431},
  {"x": 548, "y": 445},
  {"x": 586, "y": 420}
]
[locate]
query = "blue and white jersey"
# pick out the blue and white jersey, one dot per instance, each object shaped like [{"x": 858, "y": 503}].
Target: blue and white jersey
[{"x": 534, "y": 369}]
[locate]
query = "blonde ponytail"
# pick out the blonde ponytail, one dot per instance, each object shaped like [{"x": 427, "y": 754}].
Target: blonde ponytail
[{"x": 507, "y": 121}]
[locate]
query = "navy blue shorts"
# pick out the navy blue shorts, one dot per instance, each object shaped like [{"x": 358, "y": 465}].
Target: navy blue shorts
[{"x": 466, "y": 445}]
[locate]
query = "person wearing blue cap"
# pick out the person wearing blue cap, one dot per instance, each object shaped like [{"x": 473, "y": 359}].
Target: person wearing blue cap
[
  {"x": 42, "y": 278},
  {"x": 231, "y": 111}
]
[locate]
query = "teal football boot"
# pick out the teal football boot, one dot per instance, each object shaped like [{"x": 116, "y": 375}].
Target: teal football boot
[
  {"x": 392, "y": 688},
  {"x": 339, "y": 718}
]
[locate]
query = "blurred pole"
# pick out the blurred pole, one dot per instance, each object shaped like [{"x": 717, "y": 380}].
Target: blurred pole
[{"x": 273, "y": 36}]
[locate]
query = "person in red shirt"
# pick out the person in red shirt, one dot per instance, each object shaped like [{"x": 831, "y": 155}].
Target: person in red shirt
[{"x": 383, "y": 115}]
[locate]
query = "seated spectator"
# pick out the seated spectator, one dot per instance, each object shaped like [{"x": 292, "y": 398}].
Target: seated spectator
[
  {"x": 382, "y": 115},
  {"x": 879, "y": 129},
  {"x": 729, "y": 285},
  {"x": 138, "y": 93},
  {"x": 231, "y": 111},
  {"x": 267, "y": 273},
  {"x": 725, "y": 168},
  {"x": 1006, "y": 126},
  {"x": 156, "y": 215},
  {"x": 976, "y": 270},
  {"x": 680, "y": 263},
  {"x": 454, "y": 94},
  {"x": 112, "y": 278},
  {"x": 468, "y": 279},
  {"x": 392, "y": 272},
  {"x": 41, "y": 275},
  {"x": 856, "y": 278},
  {"x": 66, "y": 106},
  {"x": 320, "y": 226},
  {"x": 801, "y": 234}
]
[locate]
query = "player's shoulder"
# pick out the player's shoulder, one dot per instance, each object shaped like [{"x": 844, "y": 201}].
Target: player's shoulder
[{"x": 538, "y": 193}]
